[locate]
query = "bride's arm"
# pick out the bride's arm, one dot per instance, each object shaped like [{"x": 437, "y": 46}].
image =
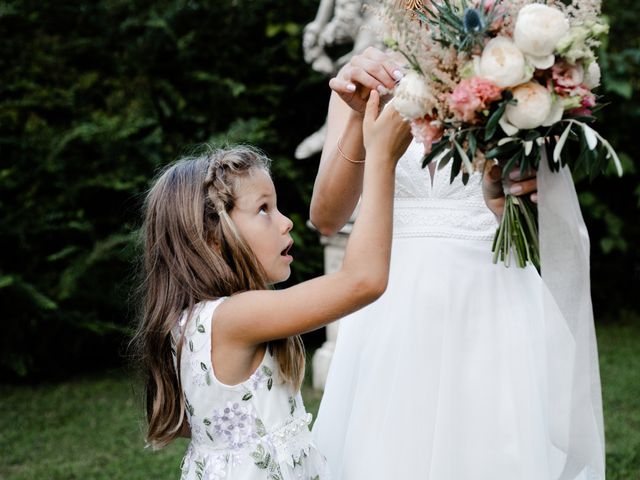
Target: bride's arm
[{"x": 338, "y": 184}]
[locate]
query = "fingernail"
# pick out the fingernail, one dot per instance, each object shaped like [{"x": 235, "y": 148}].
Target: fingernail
[
  {"x": 398, "y": 75},
  {"x": 514, "y": 175},
  {"x": 382, "y": 90},
  {"x": 351, "y": 87},
  {"x": 515, "y": 189}
]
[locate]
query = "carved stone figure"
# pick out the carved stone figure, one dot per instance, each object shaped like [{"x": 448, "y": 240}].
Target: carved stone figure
[{"x": 338, "y": 22}]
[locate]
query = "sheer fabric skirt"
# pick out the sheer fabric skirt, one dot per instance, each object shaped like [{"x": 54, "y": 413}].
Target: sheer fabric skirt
[{"x": 454, "y": 373}]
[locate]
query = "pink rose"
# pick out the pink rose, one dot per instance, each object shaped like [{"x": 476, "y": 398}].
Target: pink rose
[
  {"x": 486, "y": 90},
  {"x": 589, "y": 100},
  {"x": 472, "y": 96},
  {"x": 586, "y": 104},
  {"x": 426, "y": 131},
  {"x": 566, "y": 77}
]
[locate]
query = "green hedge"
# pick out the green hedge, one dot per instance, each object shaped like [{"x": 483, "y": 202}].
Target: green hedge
[{"x": 95, "y": 96}]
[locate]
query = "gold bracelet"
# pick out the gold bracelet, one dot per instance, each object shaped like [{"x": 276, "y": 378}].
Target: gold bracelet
[{"x": 342, "y": 154}]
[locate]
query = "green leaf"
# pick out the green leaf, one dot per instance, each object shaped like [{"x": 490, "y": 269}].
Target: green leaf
[
  {"x": 435, "y": 151},
  {"x": 513, "y": 162},
  {"x": 465, "y": 159},
  {"x": 247, "y": 396},
  {"x": 260, "y": 429},
  {"x": 494, "y": 119},
  {"x": 455, "y": 166},
  {"x": 473, "y": 145},
  {"x": 267, "y": 371},
  {"x": 446, "y": 158},
  {"x": 560, "y": 145},
  {"x": 203, "y": 366},
  {"x": 270, "y": 384},
  {"x": 503, "y": 150},
  {"x": 590, "y": 136},
  {"x": 201, "y": 328}
]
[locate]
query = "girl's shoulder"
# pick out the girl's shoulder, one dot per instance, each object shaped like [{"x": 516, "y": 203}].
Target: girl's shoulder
[{"x": 195, "y": 323}]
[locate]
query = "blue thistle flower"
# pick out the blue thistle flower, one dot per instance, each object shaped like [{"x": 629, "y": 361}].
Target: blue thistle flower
[{"x": 473, "y": 21}]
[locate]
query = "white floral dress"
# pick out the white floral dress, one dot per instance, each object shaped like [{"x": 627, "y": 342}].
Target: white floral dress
[{"x": 256, "y": 430}]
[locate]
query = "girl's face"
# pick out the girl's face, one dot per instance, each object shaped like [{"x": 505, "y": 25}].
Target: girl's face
[{"x": 261, "y": 225}]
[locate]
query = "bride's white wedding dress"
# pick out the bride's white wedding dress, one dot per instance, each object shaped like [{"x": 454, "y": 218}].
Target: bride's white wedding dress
[{"x": 455, "y": 373}]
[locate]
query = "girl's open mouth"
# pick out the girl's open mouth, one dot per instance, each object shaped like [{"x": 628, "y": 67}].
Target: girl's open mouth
[{"x": 285, "y": 252}]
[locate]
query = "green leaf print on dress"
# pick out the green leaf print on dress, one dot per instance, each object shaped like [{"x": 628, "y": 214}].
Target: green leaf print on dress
[{"x": 264, "y": 461}]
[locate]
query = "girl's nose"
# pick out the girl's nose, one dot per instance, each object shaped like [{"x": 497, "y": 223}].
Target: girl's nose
[{"x": 288, "y": 224}]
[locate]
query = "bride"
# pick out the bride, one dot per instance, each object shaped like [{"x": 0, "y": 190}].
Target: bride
[{"x": 457, "y": 372}]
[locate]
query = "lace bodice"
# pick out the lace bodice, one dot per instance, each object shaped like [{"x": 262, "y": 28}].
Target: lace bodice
[{"x": 441, "y": 208}]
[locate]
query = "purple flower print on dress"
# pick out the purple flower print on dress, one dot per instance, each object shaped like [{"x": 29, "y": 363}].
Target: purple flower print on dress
[{"x": 235, "y": 425}]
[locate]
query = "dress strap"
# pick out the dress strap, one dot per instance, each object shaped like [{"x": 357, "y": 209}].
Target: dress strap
[{"x": 197, "y": 327}]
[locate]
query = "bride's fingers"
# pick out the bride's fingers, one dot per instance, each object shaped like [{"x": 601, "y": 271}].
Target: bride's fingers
[
  {"x": 523, "y": 187},
  {"x": 342, "y": 86},
  {"x": 492, "y": 182},
  {"x": 386, "y": 61},
  {"x": 516, "y": 175},
  {"x": 359, "y": 75},
  {"x": 377, "y": 71}
]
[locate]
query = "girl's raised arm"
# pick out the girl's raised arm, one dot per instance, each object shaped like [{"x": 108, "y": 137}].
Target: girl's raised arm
[{"x": 255, "y": 317}]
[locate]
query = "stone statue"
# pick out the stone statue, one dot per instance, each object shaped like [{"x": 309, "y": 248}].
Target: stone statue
[{"x": 338, "y": 22}]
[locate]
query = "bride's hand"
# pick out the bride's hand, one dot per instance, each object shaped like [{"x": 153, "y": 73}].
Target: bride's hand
[
  {"x": 371, "y": 70},
  {"x": 494, "y": 187}
]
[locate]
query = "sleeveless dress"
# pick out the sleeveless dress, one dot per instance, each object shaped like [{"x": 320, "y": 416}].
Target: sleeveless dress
[
  {"x": 256, "y": 430},
  {"x": 454, "y": 373}
]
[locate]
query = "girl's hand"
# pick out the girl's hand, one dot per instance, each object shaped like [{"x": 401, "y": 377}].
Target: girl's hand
[
  {"x": 385, "y": 133},
  {"x": 494, "y": 187},
  {"x": 371, "y": 70}
]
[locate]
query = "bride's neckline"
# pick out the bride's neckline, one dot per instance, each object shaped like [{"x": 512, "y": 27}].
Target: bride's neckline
[{"x": 432, "y": 172}]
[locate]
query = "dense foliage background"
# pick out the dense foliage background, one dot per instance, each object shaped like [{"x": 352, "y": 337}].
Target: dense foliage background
[{"x": 96, "y": 96}]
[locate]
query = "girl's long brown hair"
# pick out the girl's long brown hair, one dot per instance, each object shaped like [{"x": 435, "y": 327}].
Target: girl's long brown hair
[{"x": 192, "y": 252}]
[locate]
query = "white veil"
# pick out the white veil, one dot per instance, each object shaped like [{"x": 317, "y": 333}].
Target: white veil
[{"x": 564, "y": 258}]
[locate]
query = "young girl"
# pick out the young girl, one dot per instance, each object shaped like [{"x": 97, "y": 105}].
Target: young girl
[{"x": 220, "y": 350}]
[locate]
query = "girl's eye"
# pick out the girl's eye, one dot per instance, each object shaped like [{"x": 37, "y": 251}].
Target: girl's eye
[{"x": 264, "y": 210}]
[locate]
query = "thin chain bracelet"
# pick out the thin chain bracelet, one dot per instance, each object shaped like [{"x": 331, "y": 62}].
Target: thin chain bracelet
[{"x": 342, "y": 154}]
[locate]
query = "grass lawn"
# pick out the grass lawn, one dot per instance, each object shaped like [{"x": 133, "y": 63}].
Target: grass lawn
[{"x": 91, "y": 428}]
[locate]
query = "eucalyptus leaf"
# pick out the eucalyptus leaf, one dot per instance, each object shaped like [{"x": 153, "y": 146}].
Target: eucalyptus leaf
[
  {"x": 473, "y": 145},
  {"x": 464, "y": 157},
  {"x": 503, "y": 150},
  {"x": 494, "y": 119},
  {"x": 560, "y": 145},
  {"x": 435, "y": 151},
  {"x": 590, "y": 135},
  {"x": 455, "y": 166},
  {"x": 446, "y": 158}
]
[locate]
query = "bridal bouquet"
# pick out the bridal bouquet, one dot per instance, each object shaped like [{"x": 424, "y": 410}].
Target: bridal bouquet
[{"x": 506, "y": 82}]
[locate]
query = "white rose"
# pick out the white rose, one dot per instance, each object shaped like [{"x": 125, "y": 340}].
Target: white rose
[
  {"x": 412, "y": 98},
  {"x": 503, "y": 63},
  {"x": 533, "y": 107},
  {"x": 538, "y": 30},
  {"x": 592, "y": 76}
]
